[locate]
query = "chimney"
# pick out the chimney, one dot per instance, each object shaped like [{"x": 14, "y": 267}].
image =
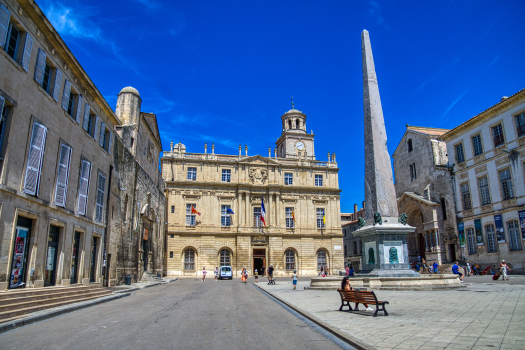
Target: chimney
[{"x": 355, "y": 208}]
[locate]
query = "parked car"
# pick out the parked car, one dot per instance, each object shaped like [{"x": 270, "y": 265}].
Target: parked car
[{"x": 225, "y": 272}]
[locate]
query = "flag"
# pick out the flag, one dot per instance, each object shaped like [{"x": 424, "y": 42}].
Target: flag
[
  {"x": 324, "y": 220},
  {"x": 293, "y": 216},
  {"x": 229, "y": 211},
  {"x": 263, "y": 211},
  {"x": 194, "y": 211}
]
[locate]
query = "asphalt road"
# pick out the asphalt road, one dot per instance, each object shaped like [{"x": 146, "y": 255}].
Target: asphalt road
[{"x": 186, "y": 314}]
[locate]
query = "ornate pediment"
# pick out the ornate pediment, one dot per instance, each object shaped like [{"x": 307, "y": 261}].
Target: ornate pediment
[{"x": 258, "y": 159}]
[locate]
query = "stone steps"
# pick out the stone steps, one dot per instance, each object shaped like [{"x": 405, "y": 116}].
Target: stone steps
[{"x": 18, "y": 304}]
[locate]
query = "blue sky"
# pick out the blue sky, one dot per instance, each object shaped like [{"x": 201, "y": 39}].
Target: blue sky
[{"x": 224, "y": 72}]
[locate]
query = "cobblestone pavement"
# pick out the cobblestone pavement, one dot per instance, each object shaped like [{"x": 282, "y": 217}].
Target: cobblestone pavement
[{"x": 487, "y": 315}]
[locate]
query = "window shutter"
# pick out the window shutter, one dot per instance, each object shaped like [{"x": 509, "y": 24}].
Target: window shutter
[
  {"x": 65, "y": 96},
  {"x": 85, "y": 123},
  {"x": 39, "y": 68},
  {"x": 58, "y": 81},
  {"x": 26, "y": 56},
  {"x": 79, "y": 108},
  {"x": 34, "y": 159},
  {"x": 99, "y": 210},
  {"x": 62, "y": 175},
  {"x": 102, "y": 131},
  {"x": 83, "y": 187},
  {"x": 109, "y": 142},
  {"x": 5, "y": 15},
  {"x": 2, "y": 102},
  {"x": 95, "y": 134}
]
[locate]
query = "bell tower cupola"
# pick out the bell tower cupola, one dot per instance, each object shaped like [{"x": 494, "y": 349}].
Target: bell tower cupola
[
  {"x": 128, "y": 106},
  {"x": 295, "y": 142}
]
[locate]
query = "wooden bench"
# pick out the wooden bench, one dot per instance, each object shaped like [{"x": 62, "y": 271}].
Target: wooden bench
[{"x": 361, "y": 297}]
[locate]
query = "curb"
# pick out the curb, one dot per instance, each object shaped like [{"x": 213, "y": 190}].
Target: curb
[
  {"x": 50, "y": 313},
  {"x": 344, "y": 337}
]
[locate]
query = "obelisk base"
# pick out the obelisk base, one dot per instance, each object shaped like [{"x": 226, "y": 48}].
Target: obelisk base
[{"x": 385, "y": 251}]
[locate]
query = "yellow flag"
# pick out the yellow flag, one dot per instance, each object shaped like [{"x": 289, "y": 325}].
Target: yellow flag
[{"x": 324, "y": 219}]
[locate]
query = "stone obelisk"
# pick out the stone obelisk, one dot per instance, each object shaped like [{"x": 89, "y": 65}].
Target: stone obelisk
[{"x": 384, "y": 238}]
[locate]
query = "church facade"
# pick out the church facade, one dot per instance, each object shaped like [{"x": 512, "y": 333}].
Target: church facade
[{"x": 253, "y": 211}]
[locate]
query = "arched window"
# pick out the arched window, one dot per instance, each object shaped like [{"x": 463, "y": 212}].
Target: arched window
[
  {"x": 289, "y": 123},
  {"x": 321, "y": 259},
  {"x": 409, "y": 144},
  {"x": 491, "y": 238},
  {"x": 297, "y": 123},
  {"x": 514, "y": 235},
  {"x": 290, "y": 259},
  {"x": 225, "y": 257},
  {"x": 471, "y": 237},
  {"x": 189, "y": 259}
]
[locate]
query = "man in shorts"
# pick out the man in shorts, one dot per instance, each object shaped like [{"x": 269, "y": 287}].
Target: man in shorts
[
  {"x": 270, "y": 272},
  {"x": 455, "y": 270},
  {"x": 256, "y": 275}
]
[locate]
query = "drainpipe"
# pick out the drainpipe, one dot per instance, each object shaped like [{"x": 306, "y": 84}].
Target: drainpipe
[{"x": 105, "y": 264}]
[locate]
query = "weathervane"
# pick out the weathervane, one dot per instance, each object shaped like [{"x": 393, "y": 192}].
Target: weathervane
[{"x": 292, "y": 102}]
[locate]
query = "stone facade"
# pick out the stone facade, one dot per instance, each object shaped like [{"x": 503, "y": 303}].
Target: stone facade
[
  {"x": 487, "y": 153},
  {"x": 55, "y": 158},
  {"x": 353, "y": 246},
  {"x": 212, "y": 183},
  {"x": 136, "y": 241},
  {"x": 425, "y": 194}
]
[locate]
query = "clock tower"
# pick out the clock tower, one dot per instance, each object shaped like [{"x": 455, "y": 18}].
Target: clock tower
[{"x": 295, "y": 142}]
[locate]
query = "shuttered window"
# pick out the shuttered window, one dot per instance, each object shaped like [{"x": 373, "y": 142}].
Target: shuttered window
[
  {"x": 99, "y": 209},
  {"x": 58, "y": 81},
  {"x": 66, "y": 97},
  {"x": 85, "y": 122},
  {"x": 40, "y": 66},
  {"x": 34, "y": 159},
  {"x": 78, "y": 113},
  {"x": 3, "y": 120},
  {"x": 26, "y": 56},
  {"x": 62, "y": 175},
  {"x": 5, "y": 15},
  {"x": 83, "y": 187},
  {"x": 102, "y": 136}
]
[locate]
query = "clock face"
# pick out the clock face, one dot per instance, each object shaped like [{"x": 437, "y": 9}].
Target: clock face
[{"x": 299, "y": 145}]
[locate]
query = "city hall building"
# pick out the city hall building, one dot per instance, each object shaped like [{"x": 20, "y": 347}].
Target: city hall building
[{"x": 301, "y": 209}]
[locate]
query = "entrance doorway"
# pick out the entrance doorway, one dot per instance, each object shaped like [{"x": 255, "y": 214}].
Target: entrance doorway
[
  {"x": 421, "y": 245},
  {"x": 19, "y": 265},
  {"x": 74, "y": 258},
  {"x": 452, "y": 252},
  {"x": 145, "y": 249},
  {"x": 93, "y": 274},
  {"x": 259, "y": 261},
  {"x": 52, "y": 250}
]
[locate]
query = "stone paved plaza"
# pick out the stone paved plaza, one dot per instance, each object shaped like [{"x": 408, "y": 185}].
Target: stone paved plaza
[{"x": 488, "y": 314}]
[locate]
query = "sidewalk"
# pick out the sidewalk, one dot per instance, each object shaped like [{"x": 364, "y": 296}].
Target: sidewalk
[{"x": 485, "y": 315}]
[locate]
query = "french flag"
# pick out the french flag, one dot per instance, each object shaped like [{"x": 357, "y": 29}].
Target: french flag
[{"x": 263, "y": 211}]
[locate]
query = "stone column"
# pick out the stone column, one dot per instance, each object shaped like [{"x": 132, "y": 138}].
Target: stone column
[
  {"x": 269, "y": 221},
  {"x": 247, "y": 218},
  {"x": 238, "y": 209},
  {"x": 278, "y": 209}
]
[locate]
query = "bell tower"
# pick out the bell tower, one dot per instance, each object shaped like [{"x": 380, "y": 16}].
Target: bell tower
[{"x": 295, "y": 142}]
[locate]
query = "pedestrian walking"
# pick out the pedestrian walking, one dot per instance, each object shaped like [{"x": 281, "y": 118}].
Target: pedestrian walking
[
  {"x": 262, "y": 271},
  {"x": 216, "y": 273},
  {"x": 270, "y": 273},
  {"x": 294, "y": 279},
  {"x": 256, "y": 275},
  {"x": 242, "y": 274},
  {"x": 203, "y": 273},
  {"x": 455, "y": 270},
  {"x": 245, "y": 275},
  {"x": 468, "y": 268},
  {"x": 347, "y": 270},
  {"x": 503, "y": 268},
  {"x": 345, "y": 285},
  {"x": 321, "y": 273}
]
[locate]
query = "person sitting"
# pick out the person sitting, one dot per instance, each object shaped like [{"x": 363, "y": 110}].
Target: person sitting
[
  {"x": 475, "y": 268},
  {"x": 455, "y": 270},
  {"x": 435, "y": 266},
  {"x": 351, "y": 272},
  {"x": 345, "y": 285}
]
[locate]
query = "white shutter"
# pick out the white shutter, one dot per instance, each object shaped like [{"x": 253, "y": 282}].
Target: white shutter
[
  {"x": 58, "y": 81},
  {"x": 34, "y": 159},
  {"x": 85, "y": 123},
  {"x": 65, "y": 96},
  {"x": 79, "y": 108},
  {"x": 101, "y": 136},
  {"x": 83, "y": 187},
  {"x": 2, "y": 102},
  {"x": 40, "y": 65},
  {"x": 62, "y": 175},
  {"x": 99, "y": 210},
  {"x": 5, "y": 15},
  {"x": 26, "y": 55},
  {"x": 95, "y": 134},
  {"x": 109, "y": 142}
]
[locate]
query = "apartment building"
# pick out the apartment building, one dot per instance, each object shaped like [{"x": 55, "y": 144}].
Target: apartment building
[
  {"x": 55, "y": 157},
  {"x": 488, "y": 156}
]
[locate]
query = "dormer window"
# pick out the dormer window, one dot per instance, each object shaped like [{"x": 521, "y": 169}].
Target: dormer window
[{"x": 409, "y": 144}]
